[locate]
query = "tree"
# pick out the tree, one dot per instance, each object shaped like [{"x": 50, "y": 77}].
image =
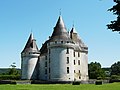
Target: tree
[
  {"x": 13, "y": 70},
  {"x": 95, "y": 70},
  {"x": 115, "y": 68},
  {"x": 115, "y": 25}
]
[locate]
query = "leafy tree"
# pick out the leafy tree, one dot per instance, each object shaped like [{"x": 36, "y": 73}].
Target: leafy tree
[
  {"x": 95, "y": 70},
  {"x": 115, "y": 25},
  {"x": 115, "y": 69},
  {"x": 13, "y": 70}
]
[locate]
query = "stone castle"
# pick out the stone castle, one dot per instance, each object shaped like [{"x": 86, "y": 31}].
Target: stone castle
[{"x": 63, "y": 57}]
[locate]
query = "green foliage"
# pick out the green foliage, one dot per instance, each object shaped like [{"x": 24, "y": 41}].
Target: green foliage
[
  {"x": 95, "y": 70},
  {"x": 98, "y": 82},
  {"x": 11, "y": 74},
  {"x": 9, "y": 77},
  {"x": 13, "y": 70},
  {"x": 115, "y": 25},
  {"x": 115, "y": 69},
  {"x": 115, "y": 77},
  {"x": 75, "y": 83}
]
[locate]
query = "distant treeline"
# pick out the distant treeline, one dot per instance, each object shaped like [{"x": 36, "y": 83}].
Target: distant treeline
[{"x": 4, "y": 71}]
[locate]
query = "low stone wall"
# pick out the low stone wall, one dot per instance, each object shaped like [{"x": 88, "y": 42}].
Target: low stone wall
[{"x": 91, "y": 81}]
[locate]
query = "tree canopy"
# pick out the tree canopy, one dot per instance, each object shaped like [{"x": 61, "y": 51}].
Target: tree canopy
[
  {"x": 95, "y": 70},
  {"x": 115, "y": 69},
  {"x": 115, "y": 25}
]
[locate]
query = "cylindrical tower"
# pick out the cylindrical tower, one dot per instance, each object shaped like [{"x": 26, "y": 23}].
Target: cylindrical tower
[
  {"x": 61, "y": 61},
  {"x": 29, "y": 60},
  {"x": 60, "y": 48}
]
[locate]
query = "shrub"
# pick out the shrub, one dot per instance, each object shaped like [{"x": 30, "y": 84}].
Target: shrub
[
  {"x": 98, "y": 82},
  {"x": 115, "y": 77},
  {"x": 9, "y": 77},
  {"x": 75, "y": 83}
]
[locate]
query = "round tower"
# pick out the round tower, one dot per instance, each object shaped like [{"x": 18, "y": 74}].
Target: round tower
[
  {"x": 29, "y": 59},
  {"x": 61, "y": 49}
]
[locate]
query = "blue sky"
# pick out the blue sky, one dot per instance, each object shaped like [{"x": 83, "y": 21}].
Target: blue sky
[{"x": 18, "y": 17}]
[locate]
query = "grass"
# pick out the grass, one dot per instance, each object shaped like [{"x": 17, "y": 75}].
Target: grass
[{"x": 113, "y": 86}]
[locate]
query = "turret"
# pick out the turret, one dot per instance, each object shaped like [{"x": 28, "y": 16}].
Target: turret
[
  {"x": 82, "y": 51},
  {"x": 77, "y": 40},
  {"x": 60, "y": 51},
  {"x": 29, "y": 57}
]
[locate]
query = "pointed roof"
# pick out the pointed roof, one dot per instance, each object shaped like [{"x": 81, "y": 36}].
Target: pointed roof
[
  {"x": 31, "y": 45},
  {"x": 73, "y": 30},
  {"x": 76, "y": 38},
  {"x": 60, "y": 32}
]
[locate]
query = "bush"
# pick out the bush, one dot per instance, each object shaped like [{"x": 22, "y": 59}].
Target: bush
[
  {"x": 9, "y": 77},
  {"x": 75, "y": 83},
  {"x": 98, "y": 82},
  {"x": 115, "y": 77},
  {"x": 99, "y": 78}
]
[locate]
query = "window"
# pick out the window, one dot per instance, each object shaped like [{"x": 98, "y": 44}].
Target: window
[
  {"x": 74, "y": 54},
  {"x": 74, "y": 62},
  {"x": 61, "y": 41},
  {"x": 49, "y": 70},
  {"x": 49, "y": 59},
  {"x": 79, "y": 71},
  {"x": 78, "y": 62},
  {"x": 67, "y": 60},
  {"x": 67, "y": 70},
  {"x": 45, "y": 57},
  {"x": 67, "y": 51},
  {"x": 78, "y": 54},
  {"x": 79, "y": 77},
  {"x": 45, "y": 71},
  {"x": 45, "y": 64},
  {"x": 74, "y": 71},
  {"x": 49, "y": 76},
  {"x": 49, "y": 51}
]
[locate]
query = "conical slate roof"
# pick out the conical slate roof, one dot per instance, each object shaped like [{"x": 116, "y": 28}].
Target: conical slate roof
[
  {"x": 76, "y": 39},
  {"x": 31, "y": 45},
  {"x": 60, "y": 33},
  {"x": 73, "y": 30}
]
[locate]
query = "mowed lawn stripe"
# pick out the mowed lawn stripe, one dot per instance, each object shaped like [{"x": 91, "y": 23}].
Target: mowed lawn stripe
[{"x": 112, "y": 86}]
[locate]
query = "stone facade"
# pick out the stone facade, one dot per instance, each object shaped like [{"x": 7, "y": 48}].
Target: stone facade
[{"x": 63, "y": 57}]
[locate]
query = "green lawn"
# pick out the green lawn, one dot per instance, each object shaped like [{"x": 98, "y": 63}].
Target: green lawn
[{"x": 113, "y": 86}]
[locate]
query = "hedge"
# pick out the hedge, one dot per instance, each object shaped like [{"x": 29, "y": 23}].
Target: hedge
[
  {"x": 75, "y": 83},
  {"x": 9, "y": 77},
  {"x": 98, "y": 82}
]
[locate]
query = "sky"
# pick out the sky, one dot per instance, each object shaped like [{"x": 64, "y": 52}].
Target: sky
[{"x": 19, "y": 17}]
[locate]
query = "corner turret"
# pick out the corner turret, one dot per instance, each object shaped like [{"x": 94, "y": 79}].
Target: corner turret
[
  {"x": 29, "y": 60},
  {"x": 77, "y": 40}
]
